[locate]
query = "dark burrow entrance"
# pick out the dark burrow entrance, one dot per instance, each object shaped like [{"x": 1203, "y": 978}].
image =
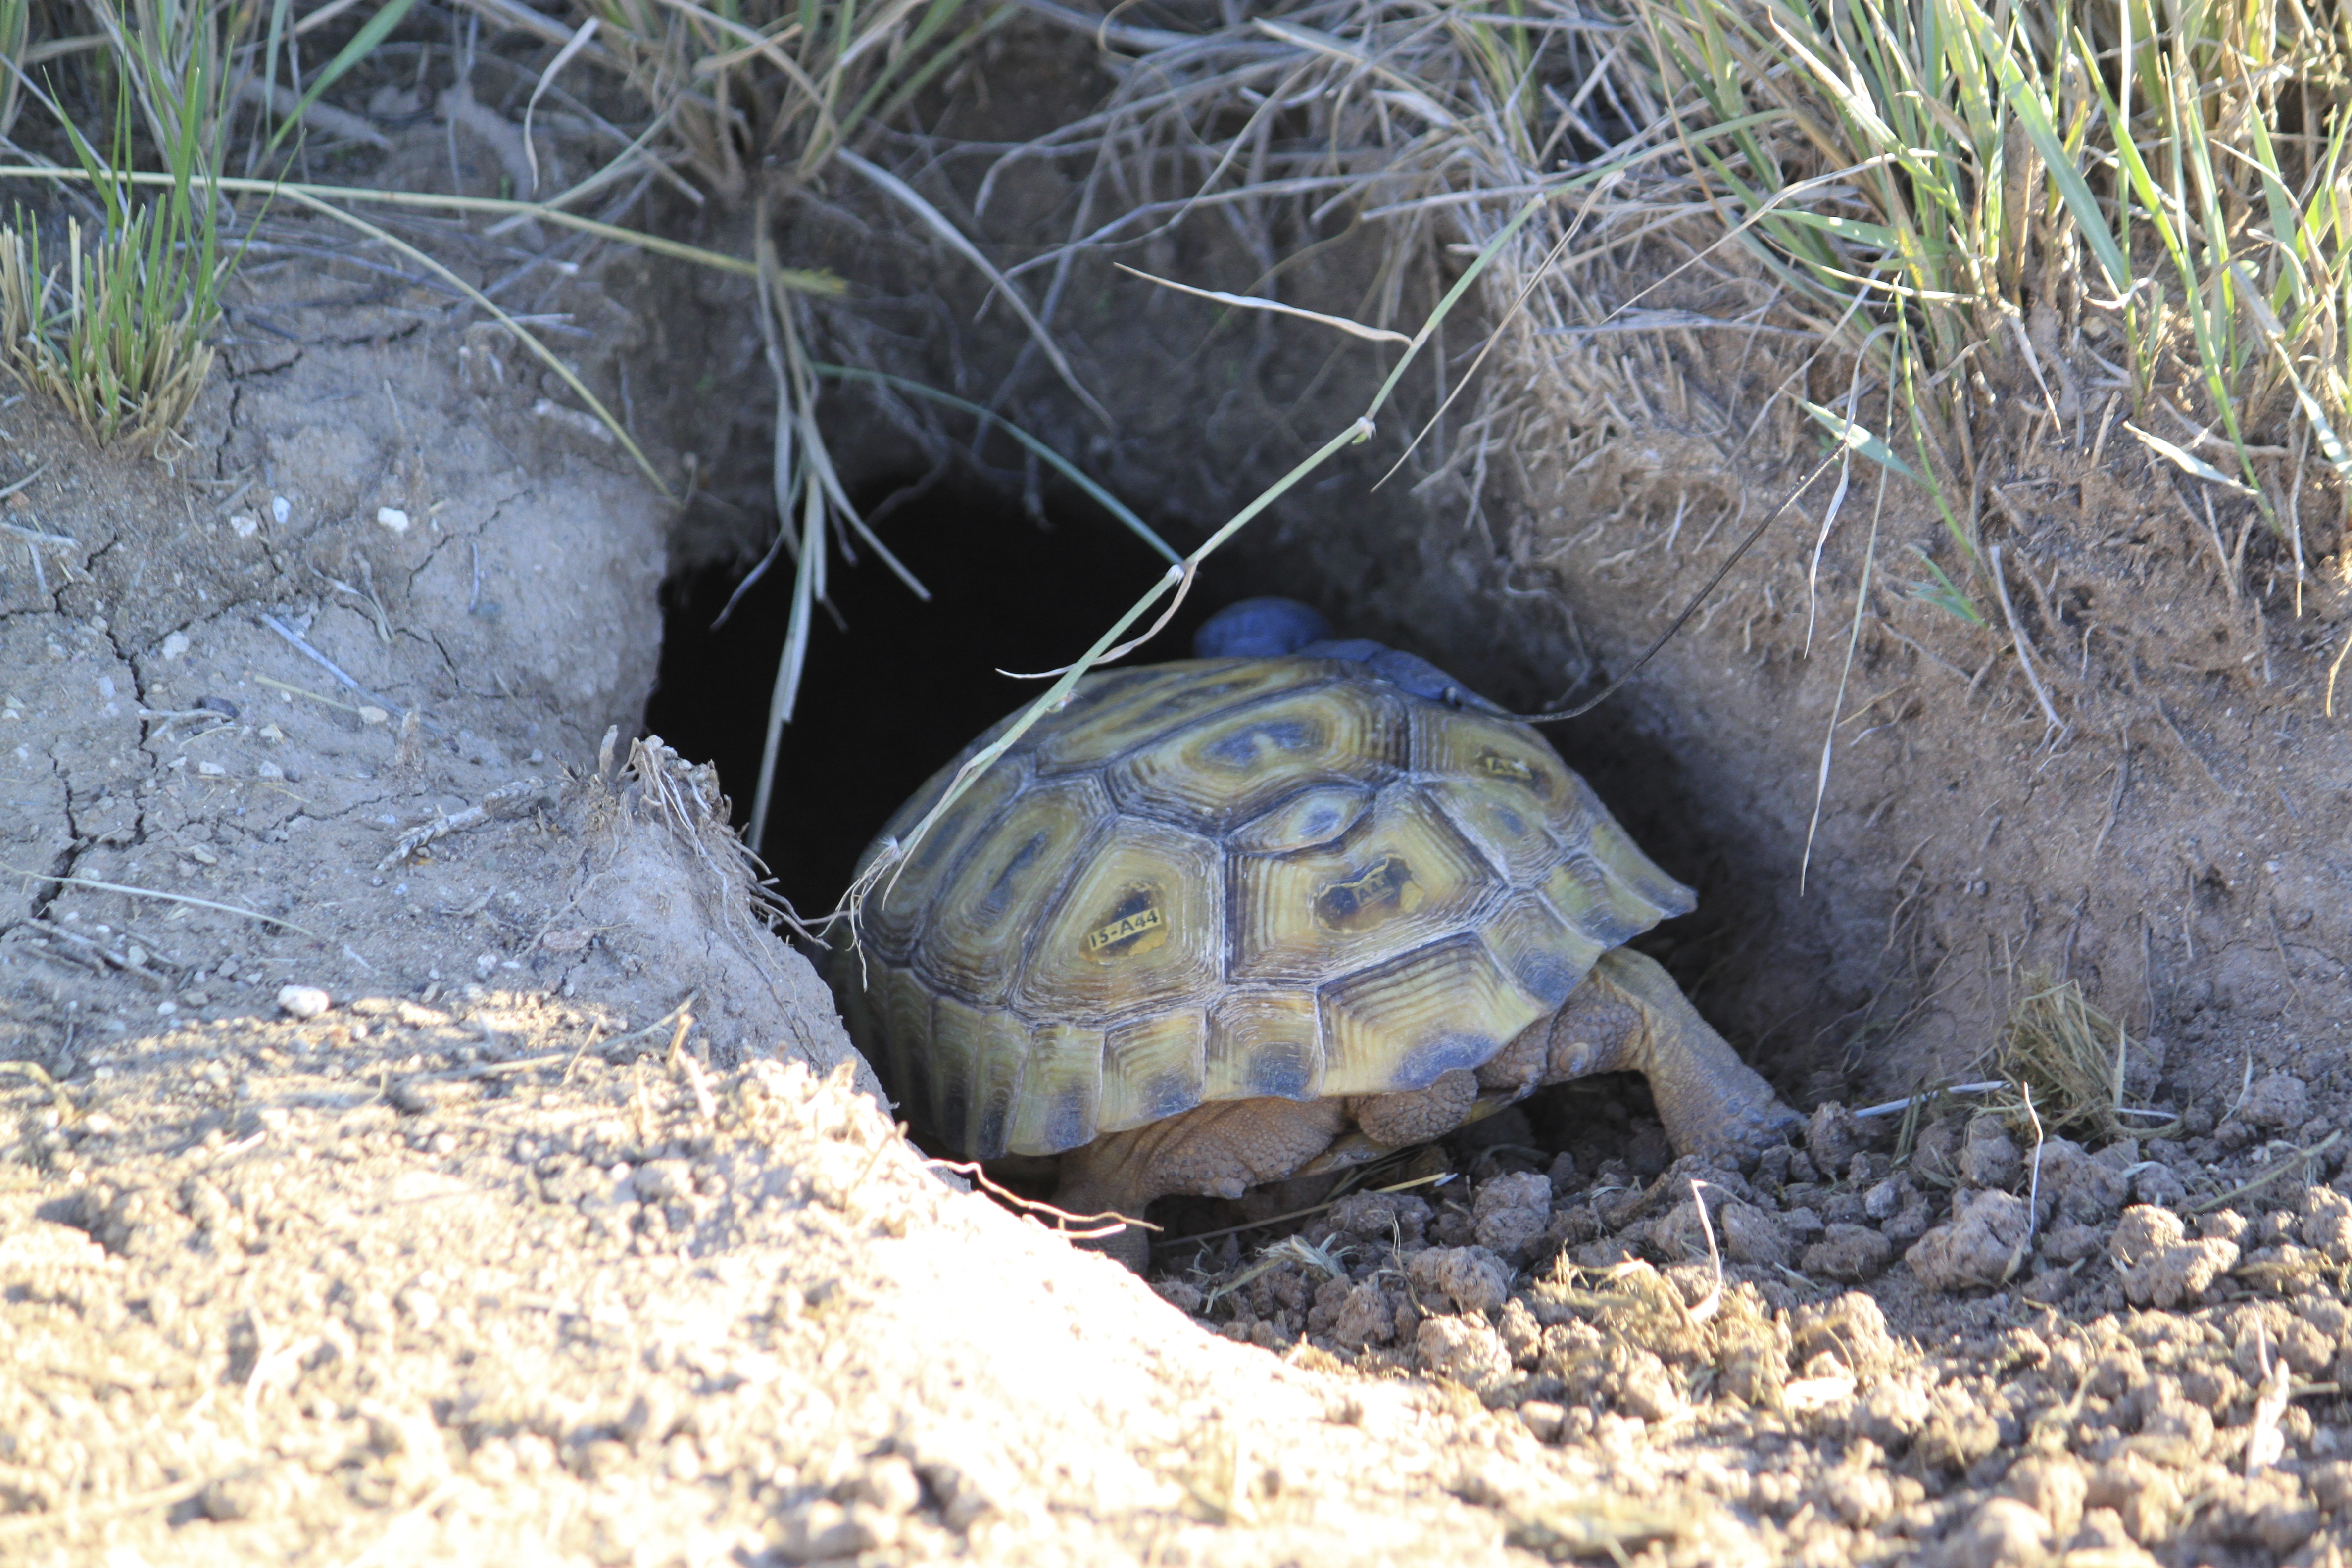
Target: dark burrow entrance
[{"x": 893, "y": 687}]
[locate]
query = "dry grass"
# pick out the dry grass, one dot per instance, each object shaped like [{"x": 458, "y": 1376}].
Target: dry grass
[
  {"x": 2071, "y": 1057},
  {"x": 116, "y": 333}
]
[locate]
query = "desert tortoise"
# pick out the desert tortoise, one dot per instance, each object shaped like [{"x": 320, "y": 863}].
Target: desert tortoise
[{"x": 1210, "y": 915}]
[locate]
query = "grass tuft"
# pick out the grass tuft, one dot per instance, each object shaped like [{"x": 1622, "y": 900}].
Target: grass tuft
[
  {"x": 2070, "y": 1056},
  {"x": 116, "y": 329},
  {"x": 115, "y": 332}
]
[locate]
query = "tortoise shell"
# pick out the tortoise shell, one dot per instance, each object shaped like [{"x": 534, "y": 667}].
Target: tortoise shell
[{"x": 1228, "y": 879}]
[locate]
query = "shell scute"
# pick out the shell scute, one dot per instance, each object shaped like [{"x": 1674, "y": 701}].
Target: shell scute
[
  {"x": 892, "y": 919},
  {"x": 1402, "y": 877},
  {"x": 1140, "y": 923},
  {"x": 1153, "y": 1067},
  {"x": 1232, "y": 766},
  {"x": 1062, "y": 1093},
  {"x": 1178, "y": 694},
  {"x": 1397, "y": 1026},
  {"x": 1264, "y": 1044},
  {"x": 981, "y": 919}
]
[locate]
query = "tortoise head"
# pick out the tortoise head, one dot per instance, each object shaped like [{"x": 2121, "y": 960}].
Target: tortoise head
[{"x": 1259, "y": 628}]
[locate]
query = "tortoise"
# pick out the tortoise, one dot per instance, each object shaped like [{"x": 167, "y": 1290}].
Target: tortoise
[{"x": 1268, "y": 911}]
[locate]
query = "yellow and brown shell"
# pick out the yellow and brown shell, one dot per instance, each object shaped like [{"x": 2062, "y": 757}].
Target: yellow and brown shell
[{"x": 1225, "y": 879}]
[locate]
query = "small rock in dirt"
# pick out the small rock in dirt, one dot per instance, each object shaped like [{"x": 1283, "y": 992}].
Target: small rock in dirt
[
  {"x": 2326, "y": 1314},
  {"x": 2270, "y": 1510},
  {"x": 1979, "y": 1247},
  {"x": 2053, "y": 1486},
  {"x": 1570, "y": 1228},
  {"x": 1522, "y": 1334},
  {"x": 303, "y": 1001},
  {"x": 889, "y": 1483},
  {"x": 1617, "y": 1208},
  {"x": 1832, "y": 1137},
  {"x": 1753, "y": 1236},
  {"x": 2327, "y": 1224},
  {"x": 1638, "y": 1384},
  {"x": 2172, "y": 1429},
  {"x": 2265, "y": 1331},
  {"x": 1511, "y": 1211},
  {"x": 2331, "y": 1483},
  {"x": 1990, "y": 1157},
  {"x": 1563, "y": 1174},
  {"x": 1858, "y": 1490},
  {"x": 1915, "y": 1218},
  {"x": 2103, "y": 1541},
  {"x": 1371, "y": 1215},
  {"x": 1186, "y": 1298},
  {"x": 1935, "y": 1153},
  {"x": 2158, "y": 1266},
  {"x": 651, "y": 1419},
  {"x": 2278, "y": 1101},
  {"x": 1678, "y": 1235},
  {"x": 1366, "y": 1316},
  {"x": 2002, "y": 1533},
  {"x": 819, "y": 1530},
  {"x": 1882, "y": 1200},
  {"x": 1472, "y": 1277},
  {"x": 2155, "y": 1183},
  {"x": 2143, "y": 1494},
  {"x": 1542, "y": 1419},
  {"x": 967, "y": 1487},
  {"x": 1890, "y": 1414},
  {"x": 1849, "y": 1253},
  {"x": 1852, "y": 1327},
  {"x": 248, "y": 1492},
  {"x": 1465, "y": 1349},
  {"x": 2068, "y": 1242},
  {"x": 1961, "y": 1428},
  {"x": 2082, "y": 1186}
]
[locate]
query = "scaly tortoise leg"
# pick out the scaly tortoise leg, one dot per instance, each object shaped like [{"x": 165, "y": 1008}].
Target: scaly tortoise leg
[
  {"x": 1218, "y": 1150},
  {"x": 1629, "y": 1016}
]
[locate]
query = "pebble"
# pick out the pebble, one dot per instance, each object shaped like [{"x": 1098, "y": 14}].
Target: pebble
[
  {"x": 1849, "y": 1253},
  {"x": 1981, "y": 1246},
  {"x": 1543, "y": 1419},
  {"x": 2160, "y": 1266},
  {"x": 303, "y": 1001},
  {"x": 1472, "y": 1276},
  {"x": 2004, "y": 1532}
]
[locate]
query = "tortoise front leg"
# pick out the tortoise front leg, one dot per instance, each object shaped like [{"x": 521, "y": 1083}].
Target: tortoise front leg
[
  {"x": 1629, "y": 1017},
  {"x": 1218, "y": 1150}
]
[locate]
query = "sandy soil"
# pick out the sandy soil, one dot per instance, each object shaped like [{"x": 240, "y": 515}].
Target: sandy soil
[{"x": 471, "y": 1172}]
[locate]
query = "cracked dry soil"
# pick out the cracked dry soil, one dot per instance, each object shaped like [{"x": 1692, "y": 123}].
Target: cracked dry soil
[{"x": 570, "y": 1229}]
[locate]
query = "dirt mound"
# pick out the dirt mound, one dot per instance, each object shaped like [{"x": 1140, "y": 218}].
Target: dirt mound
[{"x": 417, "y": 1144}]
